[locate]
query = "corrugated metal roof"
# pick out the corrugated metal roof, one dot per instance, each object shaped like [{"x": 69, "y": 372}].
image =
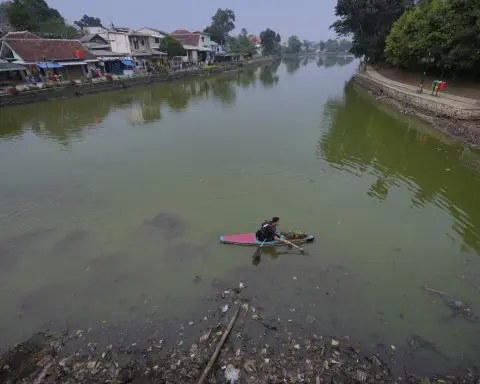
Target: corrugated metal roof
[{"x": 6, "y": 67}]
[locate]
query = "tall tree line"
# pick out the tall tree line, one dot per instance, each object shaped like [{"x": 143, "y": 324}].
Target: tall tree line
[{"x": 444, "y": 34}]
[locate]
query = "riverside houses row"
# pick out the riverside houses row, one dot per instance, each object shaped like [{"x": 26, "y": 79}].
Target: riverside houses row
[{"x": 26, "y": 58}]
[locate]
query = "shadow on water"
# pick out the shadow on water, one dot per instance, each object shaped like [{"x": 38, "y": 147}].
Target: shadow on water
[
  {"x": 66, "y": 121},
  {"x": 360, "y": 143}
]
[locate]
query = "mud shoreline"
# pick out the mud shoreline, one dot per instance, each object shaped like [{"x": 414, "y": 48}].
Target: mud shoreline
[
  {"x": 259, "y": 349},
  {"x": 464, "y": 130}
]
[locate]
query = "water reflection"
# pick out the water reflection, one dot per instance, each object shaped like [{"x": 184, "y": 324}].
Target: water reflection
[
  {"x": 268, "y": 75},
  {"x": 293, "y": 65},
  {"x": 361, "y": 140},
  {"x": 329, "y": 61},
  {"x": 68, "y": 120}
]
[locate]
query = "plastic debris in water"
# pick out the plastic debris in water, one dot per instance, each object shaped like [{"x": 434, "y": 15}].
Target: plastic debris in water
[
  {"x": 231, "y": 374},
  {"x": 225, "y": 308},
  {"x": 242, "y": 285},
  {"x": 335, "y": 342}
]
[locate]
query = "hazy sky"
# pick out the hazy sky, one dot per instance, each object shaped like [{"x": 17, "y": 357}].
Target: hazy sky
[{"x": 309, "y": 19}]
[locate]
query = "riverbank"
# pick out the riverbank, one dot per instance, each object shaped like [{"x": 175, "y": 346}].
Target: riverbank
[
  {"x": 458, "y": 117},
  {"x": 235, "y": 344},
  {"x": 80, "y": 89}
]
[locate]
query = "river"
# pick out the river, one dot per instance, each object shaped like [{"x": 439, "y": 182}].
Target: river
[{"x": 112, "y": 204}]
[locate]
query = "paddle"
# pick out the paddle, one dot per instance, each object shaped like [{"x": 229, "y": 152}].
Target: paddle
[
  {"x": 258, "y": 252},
  {"x": 302, "y": 251}
]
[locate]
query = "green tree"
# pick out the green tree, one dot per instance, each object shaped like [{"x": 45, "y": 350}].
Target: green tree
[
  {"x": 306, "y": 44},
  {"x": 322, "y": 45},
  {"x": 369, "y": 22},
  {"x": 30, "y": 14},
  {"x": 444, "y": 34},
  {"x": 242, "y": 45},
  {"x": 89, "y": 21},
  {"x": 57, "y": 29},
  {"x": 270, "y": 41},
  {"x": 172, "y": 47},
  {"x": 332, "y": 45},
  {"x": 344, "y": 45},
  {"x": 223, "y": 22},
  {"x": 294, "y": 44},
  {"x": 37, "y": 17},
  {"x": 215, "y": 35}
]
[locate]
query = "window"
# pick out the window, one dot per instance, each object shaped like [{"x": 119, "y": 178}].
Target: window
[
  {"x": 135, "y": 44},
  {"x": 203, "y": 39},
  {"x": 157, "y": 40},
  {"x": 143, "y": 42}
]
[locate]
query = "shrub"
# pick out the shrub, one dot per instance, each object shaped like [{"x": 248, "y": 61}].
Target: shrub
[
  {"x": 109, "y": 77},
  {"x": 72, "y": 83},
  {"x": 162, "y": 70}
]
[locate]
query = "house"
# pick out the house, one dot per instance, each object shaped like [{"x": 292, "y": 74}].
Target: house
[
  {"x": 11, "y": 73},
  {"x": 94, "y": 30},
  {"x": 155, "y": 36},
  {"x": 197, "y": 44},
  {"x": 136, "y": 45},
  {"x": 256, "y": 42},
  {"x": 112, "y": 62},
  {"x": 66, "y": 58}
]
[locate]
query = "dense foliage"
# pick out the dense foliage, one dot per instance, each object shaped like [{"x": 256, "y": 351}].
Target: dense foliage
[
  {"x": 223, "y": 22},
  {"x": 172, "y": 47},
  {"x": 334, "y": 45},
  {"x": 37, "y": 17},
  {"x": 270, "y": 41},
  {"x": 241, "y": 44},
  {"x": 368, "y": 22},
  {"x": 444, "y": 34},
  {"x": 294, "y": 45},
  {"x": 89, "y": 21}
]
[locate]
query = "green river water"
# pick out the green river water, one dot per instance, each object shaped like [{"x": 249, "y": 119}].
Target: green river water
[{"x": 393, "y": 205}]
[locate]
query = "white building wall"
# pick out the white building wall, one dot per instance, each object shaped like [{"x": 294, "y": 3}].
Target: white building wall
[
  {"x": 119, "y": 42},
  {"x": 95, "y": 30}
]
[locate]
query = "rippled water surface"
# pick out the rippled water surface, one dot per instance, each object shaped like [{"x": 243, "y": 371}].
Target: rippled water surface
[{"x": 112, "y": 204}]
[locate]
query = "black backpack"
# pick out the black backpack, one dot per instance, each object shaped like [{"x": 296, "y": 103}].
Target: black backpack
[{"x": 261, "y": 234}]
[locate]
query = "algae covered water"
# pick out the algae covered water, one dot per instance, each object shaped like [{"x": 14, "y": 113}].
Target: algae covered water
[{"x": 113, "y": 205}]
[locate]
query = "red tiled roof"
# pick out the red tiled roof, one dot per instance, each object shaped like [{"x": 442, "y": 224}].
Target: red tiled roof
[
  {"x": 20, "y": 35},
  {"x": 254, "y": 40},
  {"x": 181, "y": 32},
  {"x": 187, "y": 39},
  {"x": 31, "y": 50}
]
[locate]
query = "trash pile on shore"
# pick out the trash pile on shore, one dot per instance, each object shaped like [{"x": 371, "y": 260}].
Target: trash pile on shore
[{"x": 240, "y": 346}]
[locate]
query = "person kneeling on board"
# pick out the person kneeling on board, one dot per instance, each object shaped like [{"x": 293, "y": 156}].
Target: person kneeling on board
[{"x": 268, "y": 231}]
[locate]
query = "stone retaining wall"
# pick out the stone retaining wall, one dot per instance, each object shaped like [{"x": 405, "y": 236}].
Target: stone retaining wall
[
  {"x": 28, "y": 97},
  {"x": 416, "y": 101}
]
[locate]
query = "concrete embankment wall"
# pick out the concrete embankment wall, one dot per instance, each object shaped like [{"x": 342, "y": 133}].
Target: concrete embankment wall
[
  {"x": 417, "y": 102},
  {"x": 119, "y": 84}
]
